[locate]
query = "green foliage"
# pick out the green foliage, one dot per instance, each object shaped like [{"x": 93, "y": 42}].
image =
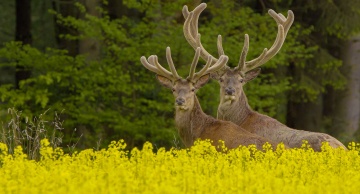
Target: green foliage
[
  {"x": 111, "y": 98},
  {"x": 115, "y": 97},
  {"x": 340, "y": 18}
]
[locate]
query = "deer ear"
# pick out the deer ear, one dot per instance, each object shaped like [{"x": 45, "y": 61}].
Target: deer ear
[
  {"x": 202, "y": 81},
  {"x": 252, "y": 74},
  {"x": 164, "y": 81}
]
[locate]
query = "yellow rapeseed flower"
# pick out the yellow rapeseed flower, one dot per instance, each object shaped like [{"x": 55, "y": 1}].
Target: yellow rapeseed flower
[{"x": 202, "y": 168}]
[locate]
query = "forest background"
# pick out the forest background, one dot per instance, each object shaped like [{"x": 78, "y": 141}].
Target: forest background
[{"x": 71, "y": 69}]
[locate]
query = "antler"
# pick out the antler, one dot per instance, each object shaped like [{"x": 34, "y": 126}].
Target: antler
[
  {"x": 153, "y": 65},
  {"x": 284, "y": 25},
  {"x": 192, "y": 35},
  {"x": 193, "y": 77}
]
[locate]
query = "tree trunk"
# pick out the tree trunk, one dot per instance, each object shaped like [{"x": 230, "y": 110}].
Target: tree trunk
[
  {"x": 90, "y": 46},
  {"x": 116, "y": 9},
  {"x": 66, "y": 8},
  {"x": 23, "y": 34},
  {"x": 347, "y": 104},
  {"x": 306, "y": 115}
]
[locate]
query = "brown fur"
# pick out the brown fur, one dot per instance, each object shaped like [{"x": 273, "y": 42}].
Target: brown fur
[
  {"x": 240, "y": 113},
  {"x": 194, "y": 124}
]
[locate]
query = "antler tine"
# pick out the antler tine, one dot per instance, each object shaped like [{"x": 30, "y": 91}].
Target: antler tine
[
  {"x": 171, "y": 63},
  {"x": 267, "y": 54},
  {"x": 219, "y": 45},
  {"x": 149, "y": 66},
  {"x": 284, "y": 25},
  {"x": 282, "y": 20},
  {"x": 206, "y": 67},
  {"x": 153, "y": 65},
  {"x": 223, "y": 59},
  {"x": 185, "y": 11},
  {"x": 194, "y": 18},
  {"x": 190, "y": 29},
  {"x": 219, "y": 64},
  {"x": 154, "y": 61},
  {"x": 193, "y": 64},
  {"x": 243, "y": 53}
]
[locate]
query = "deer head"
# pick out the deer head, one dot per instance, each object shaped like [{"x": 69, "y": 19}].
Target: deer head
[
  {"x": 183, "y": 89},
  {"x": 232, "y": 79}
]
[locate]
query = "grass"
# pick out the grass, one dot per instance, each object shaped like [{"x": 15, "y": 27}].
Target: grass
[{"x": 27, "y": 133}]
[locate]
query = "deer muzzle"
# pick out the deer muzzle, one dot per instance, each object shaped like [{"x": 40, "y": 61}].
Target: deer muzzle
[
  {"x": 230, "y": 91},
  {"x": 180, "y": 103},
  {"x": 229, "y": 94}
]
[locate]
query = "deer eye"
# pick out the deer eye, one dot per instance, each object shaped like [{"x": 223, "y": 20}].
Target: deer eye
[
  {"x": 242, "y": 81},
  {"x": 173, "y": 89},
  {"x": 193, "y": 89},
  {"x": 221, "y": 80}
]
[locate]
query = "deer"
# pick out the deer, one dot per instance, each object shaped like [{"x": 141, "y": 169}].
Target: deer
[
  {"x": 233, "y": 104},
  {"x": 190, "y": 120}
]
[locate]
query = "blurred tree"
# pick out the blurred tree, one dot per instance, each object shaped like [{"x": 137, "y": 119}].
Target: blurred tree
[
  {"x": 7, "y": 31},
  {"x": 90, "y": 46},
  {"x": 67, "y": 9},
  {"x": 346, "y": 112},
  {"x": 23, "y": 34}
]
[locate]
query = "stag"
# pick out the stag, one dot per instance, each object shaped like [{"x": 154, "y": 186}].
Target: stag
[
  {"x": 234, "y": 105},
  {"x": 192, "y": 123}
]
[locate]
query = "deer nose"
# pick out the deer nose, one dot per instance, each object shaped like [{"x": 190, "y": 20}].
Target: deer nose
[
  {"x": 229, "y": 91},
  {"x": 180, "y": 101}
]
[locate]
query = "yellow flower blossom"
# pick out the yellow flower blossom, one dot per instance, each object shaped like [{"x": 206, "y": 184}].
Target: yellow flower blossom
[{"x": 202, "y": 168}]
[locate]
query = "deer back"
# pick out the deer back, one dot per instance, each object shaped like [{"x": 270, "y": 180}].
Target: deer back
[{"x": 277, "y": 132}]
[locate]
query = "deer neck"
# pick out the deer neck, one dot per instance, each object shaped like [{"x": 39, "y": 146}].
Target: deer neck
[
  {"x": 237, "y": 111},
  {"x": 189, "y": 123}
]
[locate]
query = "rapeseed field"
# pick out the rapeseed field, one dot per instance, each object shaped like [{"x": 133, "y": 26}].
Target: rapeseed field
[{"x": 199, "y": 169}]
